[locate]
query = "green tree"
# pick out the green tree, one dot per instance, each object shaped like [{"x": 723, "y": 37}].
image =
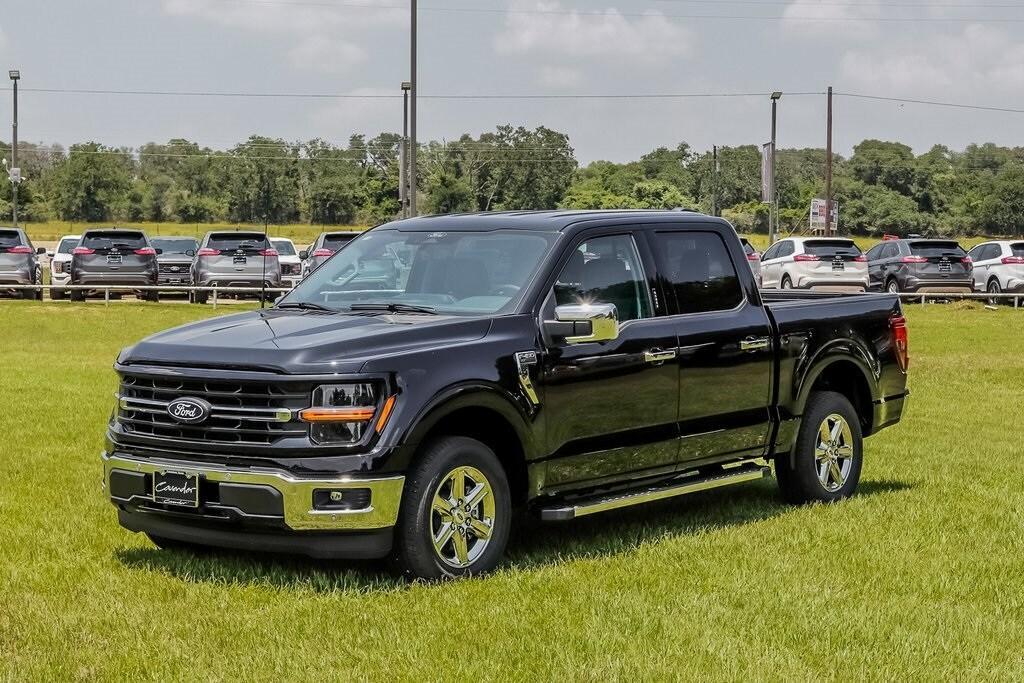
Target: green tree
[{"x": 93, "y": 184}]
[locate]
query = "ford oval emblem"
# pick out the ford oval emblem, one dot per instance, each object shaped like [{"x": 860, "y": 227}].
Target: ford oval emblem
[{"x": 189, "y": 410}]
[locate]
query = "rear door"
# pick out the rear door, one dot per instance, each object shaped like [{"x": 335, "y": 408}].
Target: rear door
[
  {"x": 771, "y": 264},
  {"x": 876, "y": 280},
  {"x": 14, "y": 254},
  {"x": 724, "y": 344}
]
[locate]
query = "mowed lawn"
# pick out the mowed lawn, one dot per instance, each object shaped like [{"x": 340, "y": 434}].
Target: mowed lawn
[{"x": 919, "y": 576}]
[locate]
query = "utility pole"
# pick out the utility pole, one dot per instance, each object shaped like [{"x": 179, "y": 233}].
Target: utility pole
[
  {"x": 15, "y": 169},
  {"x": 412, "y": 111},
  {"x": 714, "y": 181},
  {"x": 828, "y": 169},
  {"x": 773, "y": 218},
  {"x": 403, "y": 153}
]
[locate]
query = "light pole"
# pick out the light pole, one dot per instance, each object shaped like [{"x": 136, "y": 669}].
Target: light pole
[
  {"x": 773, "y": 218},
  {"x": 15, "y": 170},
  {"x": 403, "y": 153},
  {"x": 412, "y": 110}
]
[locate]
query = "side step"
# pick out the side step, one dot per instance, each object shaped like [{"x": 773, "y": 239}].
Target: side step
[{"x": 588, "y": 506}]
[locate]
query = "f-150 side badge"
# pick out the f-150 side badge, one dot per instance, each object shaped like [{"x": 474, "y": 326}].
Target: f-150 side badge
[{"x": 524, "y": 360}]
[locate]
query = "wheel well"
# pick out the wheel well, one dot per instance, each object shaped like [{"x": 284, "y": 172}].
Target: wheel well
[
  {"x": 844, "y": 377},
  {"x": 491, "y": 428},
  {"x": 995, "y": 279}
]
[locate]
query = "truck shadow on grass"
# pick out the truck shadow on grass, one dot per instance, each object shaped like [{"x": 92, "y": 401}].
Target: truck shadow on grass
[{"x": 532, "y": 545}]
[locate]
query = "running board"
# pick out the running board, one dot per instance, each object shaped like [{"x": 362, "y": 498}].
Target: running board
[{"x": 588, "y": 506}]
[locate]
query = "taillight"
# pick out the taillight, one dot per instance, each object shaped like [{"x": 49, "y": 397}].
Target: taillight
[
  {"x": 806, "y": 257},
  {"x": 83, "y": 251},
  {"x": 268, "y": 252},
  {"x": 754, "y": 256},
  {"x": 206, "y": 251},
  {"x": 146, "y": 251},
  {"x": 323, "y": 252},
  {"x": 898, "y": 325},
  {"x": 967, "y": 260},
  {"x": 861, "y": 259},
  {"x": 1013, "y": 260},
  {"x": 19, "y": 250},
  {"x": 913, "y": 259}
]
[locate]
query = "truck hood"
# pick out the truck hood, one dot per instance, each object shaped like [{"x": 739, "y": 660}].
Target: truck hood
[{"x": 301, "y": 342}]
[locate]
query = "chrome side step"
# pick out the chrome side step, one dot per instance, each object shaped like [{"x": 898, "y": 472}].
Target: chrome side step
[{"x": 588, "y": 506}]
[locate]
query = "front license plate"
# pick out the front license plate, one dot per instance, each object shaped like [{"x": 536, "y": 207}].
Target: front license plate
[{"x": 176, "y": 488}]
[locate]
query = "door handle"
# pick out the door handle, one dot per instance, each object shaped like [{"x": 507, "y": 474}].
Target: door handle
[
  {"x": 659, "y": 356},
  {"x": 754, "y": 344}
]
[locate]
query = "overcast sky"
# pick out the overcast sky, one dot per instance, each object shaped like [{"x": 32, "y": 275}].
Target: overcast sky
[{"x": 969, "y": 51}]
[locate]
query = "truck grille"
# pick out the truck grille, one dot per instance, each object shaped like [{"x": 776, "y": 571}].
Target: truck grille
[
  {"x": 241, "y": 413},
  {"x": 169, "y": 268},
  {"x": 290, "y": 269}
]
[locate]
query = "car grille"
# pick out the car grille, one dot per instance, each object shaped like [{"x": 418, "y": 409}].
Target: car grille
[
  {"x": 242, "y": 413},
  {"x": 290, "y": 269},
  {"x": 169, "y": 268}
]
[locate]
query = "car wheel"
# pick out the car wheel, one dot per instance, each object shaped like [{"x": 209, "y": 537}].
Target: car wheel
[
  {"x": 57, "y": 294},
  {"x": 786, "y": 282},
  {"x": 455, "y": 514},
  {"x": 826, "y": 462},
  {"x": 78, "y": 295},
  {"x": 153, "y": 297},
  {"x": 892, "y": 287},
  {"x": 200, "y": 297},
  {"x": 994, "y": 288}
]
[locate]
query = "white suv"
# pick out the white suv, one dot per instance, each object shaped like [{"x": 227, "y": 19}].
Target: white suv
[
  {"x": 998, "y": 266},
  {"x": 60, "y": 264},
  {"x": 825, "y": 263}
]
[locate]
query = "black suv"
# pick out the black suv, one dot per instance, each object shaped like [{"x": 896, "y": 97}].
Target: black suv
[
  {"x": 114, "y": 257},
  {"x": 919, "y": 265},
  {"x": 439, "y": 371}
]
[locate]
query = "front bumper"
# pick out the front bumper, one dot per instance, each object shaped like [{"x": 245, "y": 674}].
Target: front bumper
[{"x": 262, "y": 497}]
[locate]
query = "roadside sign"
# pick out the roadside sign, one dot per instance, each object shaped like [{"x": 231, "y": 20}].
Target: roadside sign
[
  {"x": 818, "y": 214},
  {"x": 15, "y": 175},
  {"x": 766, "y": 173}
]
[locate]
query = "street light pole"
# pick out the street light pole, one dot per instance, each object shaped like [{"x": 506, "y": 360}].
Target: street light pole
[
  {"x": 403, "y": 153},
  {"x": 412, "y": 110},
  {"x": 15, "y": 76},
  {"x": 773, "y": 221}
]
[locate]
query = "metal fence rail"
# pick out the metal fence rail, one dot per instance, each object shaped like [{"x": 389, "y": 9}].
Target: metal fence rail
[{"x": 170, "y": 289}]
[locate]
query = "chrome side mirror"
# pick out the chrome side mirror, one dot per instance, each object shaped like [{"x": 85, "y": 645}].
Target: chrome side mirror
[{"x": 583, "y": 323}]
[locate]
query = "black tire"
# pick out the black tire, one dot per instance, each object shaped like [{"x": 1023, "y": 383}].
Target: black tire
[
  {"x": 28, "y": 294},
  {"x": 800, "y": 474},
  {"x": 58, "y": 294},
  {"x": 78, "y": 295},
  {"x": 200, "y": 297},
  {"x": 179, "y": 546},
  {"x": 994, "y": 288},
  {"x": 892, "y": 286},
  {"x": 153, "y": 297},
  {"x": 414, "y": 553},
  {"x": 786, "y": 282}
]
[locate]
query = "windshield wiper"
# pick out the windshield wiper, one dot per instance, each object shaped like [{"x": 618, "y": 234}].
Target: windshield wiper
[
  {"x": 392, "y": 308},
  {"x": 306, "y": 306}
]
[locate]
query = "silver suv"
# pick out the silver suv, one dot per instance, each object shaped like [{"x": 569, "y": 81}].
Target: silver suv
[
  {"x": 18, "y": 263},
  {"x": 235, "y": 259},
  {"x": 114, "y": 257},
  {"x": 324, "y": 248}
]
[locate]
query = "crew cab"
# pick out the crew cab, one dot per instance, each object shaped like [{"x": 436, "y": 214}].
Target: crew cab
[{"x": 438, "y": 372}]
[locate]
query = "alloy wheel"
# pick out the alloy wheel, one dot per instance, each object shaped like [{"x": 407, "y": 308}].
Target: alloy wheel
[
  {"x": 833, "y": 452},
  {"x": 462, "y": 517}
]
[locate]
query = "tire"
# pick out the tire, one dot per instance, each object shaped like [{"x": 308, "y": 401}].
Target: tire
[
  {"x": 892, "y": 286},
  {"x": 786, "y": 282},
  {"x": 446, "y": 460},
  {"x": 153, "y": 297},
  {"x": 179, "y": 546},
  {"x": 803, "y": 477},
  {"x": 994, "y": 288},
  {"x": 200, "y": 297},
  {"x": 78, "y": 295},
  {"x": 58, "y": 294},
  {"x": 28, "y": 294}
]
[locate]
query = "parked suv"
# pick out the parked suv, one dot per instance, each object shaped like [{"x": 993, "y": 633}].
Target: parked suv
[
  {"x": 235, "y": 259},
  {"x": 291, "y": 264},
  {"x": 826, "y": 263},
  {"x": 920, "y": 265},
  {"x": 113, "y": 256},
  {"x": 439, "y": 371},
  {"x": 60, "y": 264},
  {"x": 174, "y": 257},
  {"x": 323, "y": 248},
  {"x": 18, "y": 263},
  {"x": 998, "y": 266}
]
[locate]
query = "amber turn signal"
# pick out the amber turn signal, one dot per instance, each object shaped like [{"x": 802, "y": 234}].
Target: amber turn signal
[
  {"x": 385, "y": 413},
  {"x": 349, "y": 414}
]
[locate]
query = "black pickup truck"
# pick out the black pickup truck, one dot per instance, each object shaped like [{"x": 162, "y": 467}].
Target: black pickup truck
[{"x": 438, "y": 372}]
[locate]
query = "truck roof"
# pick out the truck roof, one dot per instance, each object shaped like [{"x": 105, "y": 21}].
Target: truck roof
[{"x": 543, "y": 221}]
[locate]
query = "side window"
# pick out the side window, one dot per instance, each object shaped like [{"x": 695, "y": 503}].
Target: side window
[
  {"x": 874, "y": 252},
  {"x": 890, "y": 250},
  {"x": 994, "y": 251},
  {"x": 977, "y": 254},
  {"x": 785, "y": 249},
  {"x": 698, "y": 266},
  {"x": 606, "y": 270},
  {"x": 771, "y": 253}
]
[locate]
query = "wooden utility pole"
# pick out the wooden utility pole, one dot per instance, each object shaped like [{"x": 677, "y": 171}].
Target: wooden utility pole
[
  {"x": 714, "y": 182},
  {"x": 828, "y": 169}
]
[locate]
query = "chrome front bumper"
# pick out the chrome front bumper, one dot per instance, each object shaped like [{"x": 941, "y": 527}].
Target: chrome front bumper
[{"x": 296, "y": 492}]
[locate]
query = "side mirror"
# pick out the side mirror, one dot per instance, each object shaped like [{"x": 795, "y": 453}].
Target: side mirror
[
  {"x": 158, "y": 251},
  {"x": 41, "y": 251},
  {"x": 583, "y": 323},
  {"x": 304, "y": 254},
  {"x": 190, "y": 252}
]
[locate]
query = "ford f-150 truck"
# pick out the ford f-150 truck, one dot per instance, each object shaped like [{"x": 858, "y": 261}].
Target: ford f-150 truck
[{"x": 440, "y": 371}]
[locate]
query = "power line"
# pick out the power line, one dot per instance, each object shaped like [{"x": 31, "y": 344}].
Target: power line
[
  {"x": 931, "y": 103},
  {"x": 849, "y": 3}
]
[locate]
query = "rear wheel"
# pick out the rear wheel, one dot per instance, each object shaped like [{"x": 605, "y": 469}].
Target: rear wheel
[
  {"x": 153, "y": 297},
  {"x": 892, "y": 286},
  {"x": 456, "y": 512},
  {"x": 78, "y": 295},
  {"x": 786, "y": 282},
  {"x": 826, "y": 462},
  {"x": 994, "y": 288},
  {"x": 57, "y": 294},
  {"x": 200, "y": 297}
]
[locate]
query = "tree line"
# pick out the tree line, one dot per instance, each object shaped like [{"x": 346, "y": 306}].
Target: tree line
[{"x": 883, "y": 187}]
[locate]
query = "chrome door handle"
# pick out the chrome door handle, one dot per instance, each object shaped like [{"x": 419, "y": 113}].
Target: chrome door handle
[
  {"x": 754, "y": 344},
  {"x": 658, "y": 356}
]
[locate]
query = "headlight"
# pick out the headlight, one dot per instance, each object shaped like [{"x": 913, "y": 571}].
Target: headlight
[{"x": 343, "y": 413}]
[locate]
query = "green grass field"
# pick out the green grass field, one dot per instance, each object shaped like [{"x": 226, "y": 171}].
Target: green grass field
[{"x": 917, "y": 577}]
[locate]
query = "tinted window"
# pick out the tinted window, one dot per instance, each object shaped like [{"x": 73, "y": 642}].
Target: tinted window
[
  {"x": 891, "y": 249},
  {"x": 698, "y": 266},
  {"x": 67, "y": 245},
  {"x": 9, "y": 238},
  {"x": 175, "y": 246},
  {"x": 1017, "y": 249},
  {"x": 770, "y": 252},
  {"x": 747, "y": 248},
  {"x": 831, "y": 248},
  {"x": 875, "y": 252},
  {"x": 936, "y": 248},
  {"x": 978, "y": 253},
  {"x": 122, "y": 239},
  {"x": 605, "y": 270},
  {"x": 336, "y": 242},
  {"x": 235, "y": 241},
  {"x": 786, "y": 249},
  {"x": 284, "y": 248}
]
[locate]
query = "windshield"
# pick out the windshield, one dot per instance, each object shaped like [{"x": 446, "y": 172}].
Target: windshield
[
  {"x": 123, "y": 239},
  {"x": 1017, "y": 249},
  {"x": 831, "y": 248},
  {"x": 67, "y": 245},
  {"x": 462, "y": 273},
  {"x": 175, "y": 246},
  {"x": 284, "y": 247},
  {"x": 932, "y": 249}
]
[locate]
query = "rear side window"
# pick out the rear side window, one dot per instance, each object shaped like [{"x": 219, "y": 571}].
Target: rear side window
[
  {"x": 336, "y": 242},
  {"x": 67, "y": 245},
  {"x": 121, "y": 239},
  {"x": 239, "y": 241},
  {"x": 702, "y": 275},
  {"x": 831, "y": 248},
  {"x": 785, "y": 249},
  {"x": 936, "y": 248},
  {"x": 1017, "y": 249},
  {"x": 9, "y": 238}
]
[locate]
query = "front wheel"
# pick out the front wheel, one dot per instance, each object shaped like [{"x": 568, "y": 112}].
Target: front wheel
[
  {"x": 826, "y": 462},
  {"x": 456, "y": 512},
  {"x": 786, "y": 282},
  {"x": 893, "y": 287}
]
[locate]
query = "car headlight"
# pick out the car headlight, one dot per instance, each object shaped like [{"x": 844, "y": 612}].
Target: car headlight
[{"x": 344, "y": 413}]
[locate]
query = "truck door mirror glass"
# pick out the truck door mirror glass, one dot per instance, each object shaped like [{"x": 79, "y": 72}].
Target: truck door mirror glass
[
  {"x": 583, "y": 323},
  {"x": 304, "y": 254}
]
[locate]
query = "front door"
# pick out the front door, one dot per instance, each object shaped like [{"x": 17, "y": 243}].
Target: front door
[{"x": 610, "y": 408}]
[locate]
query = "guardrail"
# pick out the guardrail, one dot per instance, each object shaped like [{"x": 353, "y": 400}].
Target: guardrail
[
  {"x": 171, "y": 289},
  {"x": 923, "y": 298}
]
